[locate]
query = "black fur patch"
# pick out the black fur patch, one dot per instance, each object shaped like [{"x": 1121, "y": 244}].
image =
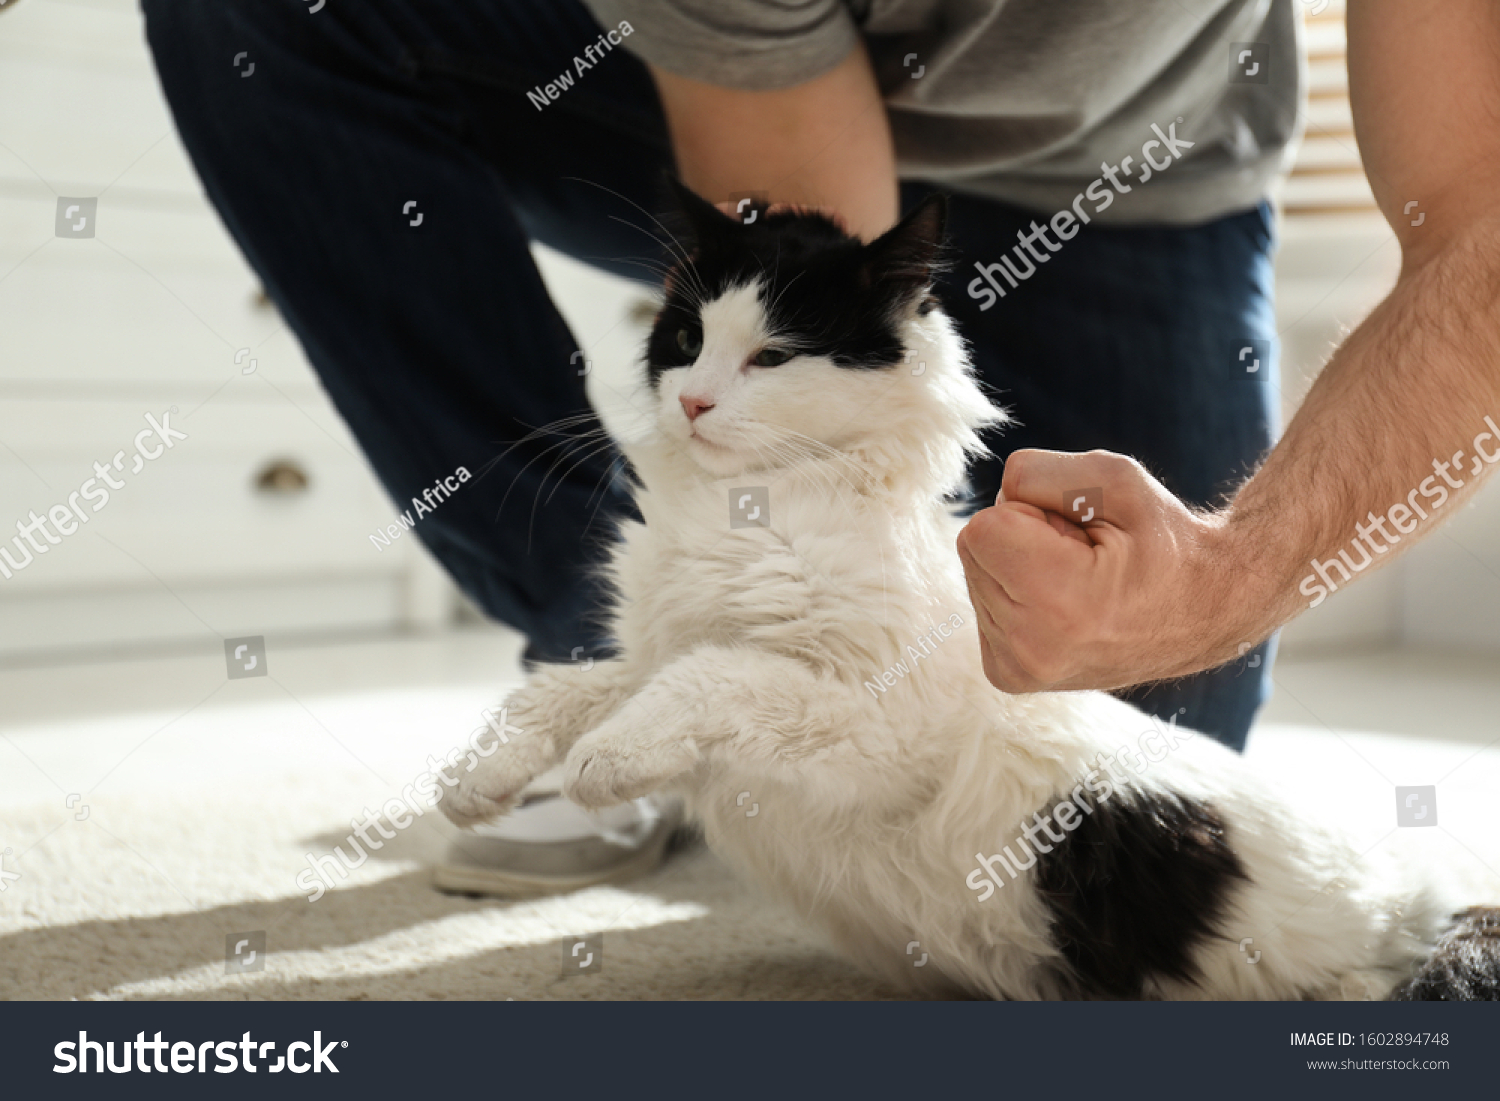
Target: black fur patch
[
  {"x": 825, "y": 293},
  {"x": 1465, "y": 967},
  {"x": 1134, "y": 889}
]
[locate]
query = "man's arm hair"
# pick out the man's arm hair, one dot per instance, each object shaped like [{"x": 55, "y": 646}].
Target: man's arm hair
[{"x": 1414, "y": 382}]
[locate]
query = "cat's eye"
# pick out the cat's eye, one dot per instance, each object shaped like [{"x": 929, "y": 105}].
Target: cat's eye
[
  {"x": 771, "y": 357},
  {"x": 690, "y": 341}
]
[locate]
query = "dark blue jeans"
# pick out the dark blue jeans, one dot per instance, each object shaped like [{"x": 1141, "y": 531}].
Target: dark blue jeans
[{"x": 441, "y": 348}]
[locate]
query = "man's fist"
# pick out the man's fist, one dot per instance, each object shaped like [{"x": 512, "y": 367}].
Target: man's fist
[{"x": 1087, "y": 573}]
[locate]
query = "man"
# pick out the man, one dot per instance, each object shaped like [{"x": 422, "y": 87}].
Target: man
[{"x": 387, "y": 164}]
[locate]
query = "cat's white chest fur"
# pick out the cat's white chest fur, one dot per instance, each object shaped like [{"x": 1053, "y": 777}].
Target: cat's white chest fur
[
  {"x": 825, "y": 648},
  {"x": 818, "y": 574}
]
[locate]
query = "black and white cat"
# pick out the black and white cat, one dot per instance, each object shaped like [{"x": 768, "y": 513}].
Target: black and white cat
[{"x": 798, "y": 657}]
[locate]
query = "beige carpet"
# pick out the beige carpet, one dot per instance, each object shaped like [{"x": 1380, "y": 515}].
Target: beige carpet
[
  {"x": 200, "y": 815},
  {"x": 687, "y": 932},
  {"x": 201, "y": 797}
]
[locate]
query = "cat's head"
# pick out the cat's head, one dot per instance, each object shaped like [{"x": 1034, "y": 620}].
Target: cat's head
[{"x": 782, "y": 338}]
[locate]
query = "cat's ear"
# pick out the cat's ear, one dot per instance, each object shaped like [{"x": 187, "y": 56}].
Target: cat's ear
[
  {"x": 704, "y": 223},
  {"x": 907, "y": 257}
]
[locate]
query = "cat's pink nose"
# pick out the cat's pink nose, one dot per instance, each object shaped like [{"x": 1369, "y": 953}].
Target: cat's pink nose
[{"x": 694, "y": 406}]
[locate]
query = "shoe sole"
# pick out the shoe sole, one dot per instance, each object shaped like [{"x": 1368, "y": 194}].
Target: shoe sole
[{"x": 472, "y": 880}]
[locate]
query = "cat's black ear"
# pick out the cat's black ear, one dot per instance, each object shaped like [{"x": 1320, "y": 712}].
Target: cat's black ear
[
  {"x": 908, "y": 256},
  {"x": 703, "y": 222}
]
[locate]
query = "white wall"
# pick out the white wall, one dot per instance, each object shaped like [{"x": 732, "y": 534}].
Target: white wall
[{"x": 148, "y": 316}]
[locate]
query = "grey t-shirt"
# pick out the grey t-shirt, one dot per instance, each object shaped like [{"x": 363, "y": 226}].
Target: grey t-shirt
[{"x": 1029, "y": 101}]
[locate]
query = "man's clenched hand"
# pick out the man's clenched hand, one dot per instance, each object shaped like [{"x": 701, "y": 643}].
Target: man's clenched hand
[{"x": 1144, "y": 590}]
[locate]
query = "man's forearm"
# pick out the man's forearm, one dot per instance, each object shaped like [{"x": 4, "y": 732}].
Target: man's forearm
[
  {"x": 1355, "y": 471},
  {"x": 1413, "y": 385},
  {"x": 1147, "y": 589},
  {"x": 823, "y": 143}
]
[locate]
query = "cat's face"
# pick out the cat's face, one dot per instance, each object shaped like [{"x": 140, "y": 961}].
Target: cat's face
[{"x": 785, "y": 337}]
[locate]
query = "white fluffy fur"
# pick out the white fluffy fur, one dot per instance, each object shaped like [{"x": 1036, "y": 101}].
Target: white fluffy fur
[{"x": 745, "y": 657}]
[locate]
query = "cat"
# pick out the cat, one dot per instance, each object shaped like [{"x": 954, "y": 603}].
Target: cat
[{"x": 797, "y": 655}]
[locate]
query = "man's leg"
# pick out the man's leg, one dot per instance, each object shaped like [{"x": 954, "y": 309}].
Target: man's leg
[
  {"x": 383, "y": 168},
  {"x": 1127, "y": 339}
]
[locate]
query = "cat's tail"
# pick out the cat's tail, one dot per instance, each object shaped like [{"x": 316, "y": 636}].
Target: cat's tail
[{"x": 1465, "y": 965}]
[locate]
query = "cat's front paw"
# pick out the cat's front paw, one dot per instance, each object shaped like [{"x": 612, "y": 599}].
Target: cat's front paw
[
  {"x": 493, "y": 788},
  {"x": 624, "y": 759},
  {"x": 503, "y": 759}
]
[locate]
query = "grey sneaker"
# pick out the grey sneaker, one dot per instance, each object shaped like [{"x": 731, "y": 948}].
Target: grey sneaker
[{"x": 549, "y": 845}]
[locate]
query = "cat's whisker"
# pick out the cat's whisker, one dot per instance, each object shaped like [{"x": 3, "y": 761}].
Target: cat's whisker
[
  {"x": 771, "y": 309},
  {"x": 831, "y": 461},
  {"x": 551, "y": 428},
  {"x": 648, "y": 262},
  {"x": 556, "y": 427},
  {"x": 563, "y": 443},
  {"x": 579, "y": 451},
  {"x": 790, "y": 458},
  {"x": 638, "y": 206},
  {"x": 599, "y": 485},
  {"x": 596, "y": 449},
  {"x": 671, "y": 244},
  {"x": 582, "y": 439},
  {"x": 685, "y": 264}
]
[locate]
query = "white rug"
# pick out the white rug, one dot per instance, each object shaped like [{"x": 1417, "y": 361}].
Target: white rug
[{"x": 200, "y": 799}]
